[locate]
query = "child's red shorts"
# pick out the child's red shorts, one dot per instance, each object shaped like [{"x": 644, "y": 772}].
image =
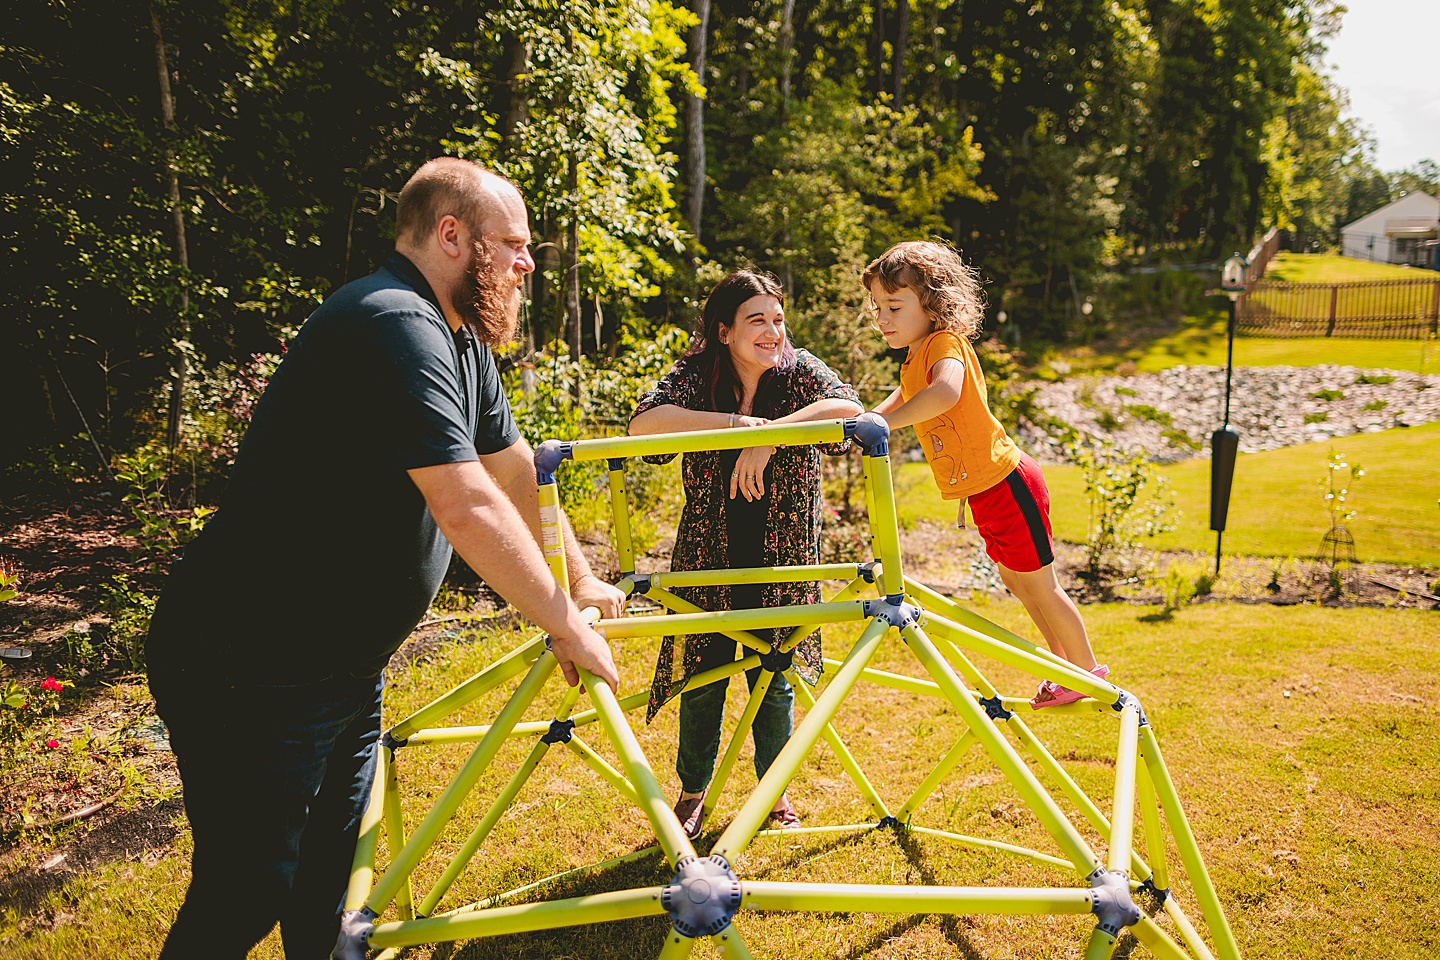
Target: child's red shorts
[{"x": 1013, "y": 517}]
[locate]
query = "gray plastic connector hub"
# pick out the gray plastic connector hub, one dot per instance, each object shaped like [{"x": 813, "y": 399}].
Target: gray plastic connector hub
[
  {"x": 355, "y": 929},
  {"x": 866, "y": 570},
  {"x": 872, "y": 433},
  {"x": 893, "y": 610},
  {"x": 702, "y": 897},
  {"x": 1127, "y": 697},
  {"x": 388, "y": 741},
  {"x": 548, "y": 457},
  {"x": 641, "y": 581},
  {"x": 1113, "y": 907}
]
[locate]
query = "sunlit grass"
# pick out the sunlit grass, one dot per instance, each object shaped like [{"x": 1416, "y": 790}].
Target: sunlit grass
[
  {"x": 1333, "y": 268},
  {"x": 1275, "y": 508}
]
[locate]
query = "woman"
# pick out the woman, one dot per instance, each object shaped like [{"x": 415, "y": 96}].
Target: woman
[{"x": 748, "y": 508}]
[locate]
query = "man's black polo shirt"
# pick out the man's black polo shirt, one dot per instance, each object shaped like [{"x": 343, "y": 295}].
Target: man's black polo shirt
[{"x": 323, "y": 555}]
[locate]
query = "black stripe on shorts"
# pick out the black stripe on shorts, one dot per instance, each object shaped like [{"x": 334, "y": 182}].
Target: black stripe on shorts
[{"x": 1031, "y": 511}]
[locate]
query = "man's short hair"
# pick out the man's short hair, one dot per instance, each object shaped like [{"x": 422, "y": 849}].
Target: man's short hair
[{"x": 445, "y": 185}]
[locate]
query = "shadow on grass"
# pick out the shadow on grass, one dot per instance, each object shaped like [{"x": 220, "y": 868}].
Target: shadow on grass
[
  {"x": 620, "y": 940},
  {"x": 123, "y": 837}
]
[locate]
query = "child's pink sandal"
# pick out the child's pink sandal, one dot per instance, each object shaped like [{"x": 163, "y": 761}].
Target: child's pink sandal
[{"x": 1051, "y": 694}]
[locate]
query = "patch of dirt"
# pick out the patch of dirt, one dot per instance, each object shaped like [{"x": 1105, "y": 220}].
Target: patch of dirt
[
  {"x": 63, "y": 551},
  {"x": 954, "y": 562},
  {"x": 121, "y": 835}
]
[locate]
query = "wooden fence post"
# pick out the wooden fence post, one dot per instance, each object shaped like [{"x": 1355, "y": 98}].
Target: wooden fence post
[
  {"x": 1334, "y": 297},
  {"x": 1435, "y": 311}
]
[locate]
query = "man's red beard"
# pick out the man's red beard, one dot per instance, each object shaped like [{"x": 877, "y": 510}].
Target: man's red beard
[{"x": 488, "y": 304}]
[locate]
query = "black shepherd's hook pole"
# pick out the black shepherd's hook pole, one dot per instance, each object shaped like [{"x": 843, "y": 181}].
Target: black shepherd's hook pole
[{"x": 1225, "y": 442}]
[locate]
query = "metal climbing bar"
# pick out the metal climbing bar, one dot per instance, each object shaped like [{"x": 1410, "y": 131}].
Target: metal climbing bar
[{"x": 704, "y": 896}]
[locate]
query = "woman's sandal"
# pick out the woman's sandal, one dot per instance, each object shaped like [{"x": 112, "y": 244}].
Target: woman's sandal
[{"x": 784, "y": 817}]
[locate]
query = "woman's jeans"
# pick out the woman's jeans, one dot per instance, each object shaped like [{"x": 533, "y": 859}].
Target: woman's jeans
[
  {"x": 275, "y": 781},
  {"x": 703, "y": 709}
]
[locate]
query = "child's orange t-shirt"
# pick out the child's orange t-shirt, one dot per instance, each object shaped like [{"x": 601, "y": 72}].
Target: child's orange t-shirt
[{"x": 967, "y": 447}]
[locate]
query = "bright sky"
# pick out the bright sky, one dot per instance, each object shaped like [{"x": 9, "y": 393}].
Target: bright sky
[{"x": 1388, "y": 56}]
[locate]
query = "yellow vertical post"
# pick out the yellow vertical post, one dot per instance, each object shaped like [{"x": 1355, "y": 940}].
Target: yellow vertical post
[
  {"x": 362, "y": 871},
  {"x": 395, "y": 834},
  {"x": 1154, "y": 838},
  {"x": 1122, "y": 810},
  {"x": 552, "y": 536},
  {"x": 620, "y": 517},
  {"x": 884, "y": 525},
  {"x": 737, "y": 740}
]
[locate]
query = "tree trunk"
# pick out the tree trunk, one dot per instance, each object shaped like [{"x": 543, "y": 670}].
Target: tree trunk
[
  {"x": 572, "y": 262},
  {"x": 902, "y": 37},
  {"x": 877, "y": 47},
  {"x": 787, "y": 50},
  {"x": 695, "y": 122},
  {"x": 516, "y": 110},
  {"x": 182, "y": 254},
  {"x": 571, "y": 252}
]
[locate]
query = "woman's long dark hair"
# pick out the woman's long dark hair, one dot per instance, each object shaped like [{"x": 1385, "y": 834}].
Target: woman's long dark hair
[{"x": 712, "y": 358}]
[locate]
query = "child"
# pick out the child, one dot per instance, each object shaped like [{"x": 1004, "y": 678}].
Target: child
[{"x": 928, "y": 302}]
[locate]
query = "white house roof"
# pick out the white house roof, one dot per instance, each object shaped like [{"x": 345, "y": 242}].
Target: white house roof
[{"x": 1412, "y": 213}]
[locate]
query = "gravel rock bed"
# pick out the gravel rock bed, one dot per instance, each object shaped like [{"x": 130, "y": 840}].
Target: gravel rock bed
[{"x": 1170, "y": 415}]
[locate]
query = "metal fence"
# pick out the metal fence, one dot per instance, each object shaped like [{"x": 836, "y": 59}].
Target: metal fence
[{"x": 1375, "y": 309}]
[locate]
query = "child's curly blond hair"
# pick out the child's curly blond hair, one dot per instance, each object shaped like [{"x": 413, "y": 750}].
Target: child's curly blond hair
[{"x": 948, "y": 288}]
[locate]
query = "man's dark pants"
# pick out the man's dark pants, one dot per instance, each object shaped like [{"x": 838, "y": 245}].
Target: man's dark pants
[{"x": 275, "y": 781}]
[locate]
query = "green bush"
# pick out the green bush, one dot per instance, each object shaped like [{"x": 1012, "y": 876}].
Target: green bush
[
  {"x": 1129, "y": 502},
  {"x": 160, "y": 528},
  {"x": 556, "y": 398}
]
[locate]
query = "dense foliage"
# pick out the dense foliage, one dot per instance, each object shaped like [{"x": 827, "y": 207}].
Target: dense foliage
[{"x": 183, "y": 182}]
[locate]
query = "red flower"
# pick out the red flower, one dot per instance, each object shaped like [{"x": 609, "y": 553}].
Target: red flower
[
  {"x": 51, "y": 744},
  {"x": 50, "y": 683}
]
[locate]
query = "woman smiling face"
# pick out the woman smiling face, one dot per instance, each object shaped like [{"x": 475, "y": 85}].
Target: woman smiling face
[{"x": 756, "y": 340}]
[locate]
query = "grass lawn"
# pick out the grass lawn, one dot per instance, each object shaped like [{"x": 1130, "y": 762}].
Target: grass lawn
[
  {"x": 1201, "y": 342},
  {"x": 1275, "y": 507},
  {"x": 1297, "y": 737},
  {"x": 1333, "y": 268}
]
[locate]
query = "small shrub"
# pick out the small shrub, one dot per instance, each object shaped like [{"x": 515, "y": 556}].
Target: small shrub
[
  {"x": 27, "y": 717},
  {"x": 1337, "y": 547},
  {"x": 1177, "y": 589},
  {"x": 543, "y": 397},
  {"x": 1329, "y": 395},
  {"x": 1125, "y": 392},
  {"x": 1316, "y": 417},
  {"x": 1376, "y": 405},
  {"x": 1277, "y": 573},
  {"x": 118, "y": 646},
  {"x": 1374, "y": 379},
  {"x": 1146, "y": 412},
  {"x": 160, "y": 528},
  {"x": 1129, "y": 502},
  {"x": 1108, "y": 422},
  {"x": 1179, "y": 438}
]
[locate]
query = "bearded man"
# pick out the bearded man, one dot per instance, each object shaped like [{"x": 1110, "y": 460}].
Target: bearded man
[{"x": 383, "y": 438}]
